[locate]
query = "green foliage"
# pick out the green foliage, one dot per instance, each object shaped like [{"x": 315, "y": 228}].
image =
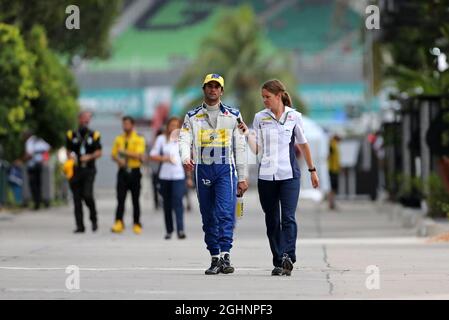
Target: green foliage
[
  {"x": 409, "y": 186},
  {"x": 37, "y": 91},
  {"x": 17, "y": 88},
  {"x": 407, "y": 44},
  {"x": 392, "y": 135},
  {"x": 91, "y": 40},
  {"x": 54, "y": 111},
  {"x": 234, "y": 49},
  {"x": 437, "y": 198}
]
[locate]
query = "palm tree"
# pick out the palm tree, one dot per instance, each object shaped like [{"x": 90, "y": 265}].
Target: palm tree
[{"x": 236, "y": 49}]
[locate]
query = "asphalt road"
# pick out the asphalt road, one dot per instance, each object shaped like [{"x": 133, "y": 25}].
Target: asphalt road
[{"x": 358, "y": 252}]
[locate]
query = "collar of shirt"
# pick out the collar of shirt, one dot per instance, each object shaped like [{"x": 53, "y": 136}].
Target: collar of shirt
[
  {"x": 283, "y": 116},
  {"x": 131, "y": 136}
]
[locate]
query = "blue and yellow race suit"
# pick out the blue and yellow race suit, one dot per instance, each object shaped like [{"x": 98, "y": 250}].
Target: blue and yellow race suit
[{"x": 219, "y": 154}]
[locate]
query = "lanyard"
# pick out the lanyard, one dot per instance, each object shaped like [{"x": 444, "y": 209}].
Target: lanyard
[{"x": 82, "y": 142}]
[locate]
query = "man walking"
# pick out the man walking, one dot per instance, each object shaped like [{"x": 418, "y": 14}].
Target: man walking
[
  {"x": 127, "y": 152},
  {"x": 211, "y": 135},
  {"x": 333, "y": 163},
  {"x": 36, "y": 154},
  {"x": 84, "y": 147}
]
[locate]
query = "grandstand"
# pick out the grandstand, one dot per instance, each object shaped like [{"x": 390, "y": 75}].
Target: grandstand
[
  {"x": 171, "y": 31},
  {"x": 309, "y": 29},
  {"x": 164, "y": 36}
]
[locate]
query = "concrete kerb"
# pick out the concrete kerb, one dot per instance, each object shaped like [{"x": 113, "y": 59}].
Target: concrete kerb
[
  {"x": 409, "y": 218},
  {"x": 428, "y": 227},
  {"x": 396, "y": 212}
]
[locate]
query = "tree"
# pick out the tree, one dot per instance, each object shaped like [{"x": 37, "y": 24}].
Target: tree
[
  {"x": 90, "y": 41},
  {"x": 17, "y": 88},
  {"x": 415, "y": 34},
  {"x": 235, "y": 49},
  {"x": 408, "y": 37},
  {"x": 55, "y": 109},
  {"x": 37, "y": 90}
]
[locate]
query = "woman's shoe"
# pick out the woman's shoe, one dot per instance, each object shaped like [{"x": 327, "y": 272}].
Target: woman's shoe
[
  {"x": 287, "y": 265},
  {"x": 167, "y": 236},
  {"x": 277, "y": 271},
  {"x": 181, "y": 235}
]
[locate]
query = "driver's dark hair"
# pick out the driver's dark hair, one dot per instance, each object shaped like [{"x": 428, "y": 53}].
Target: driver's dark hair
[
  {"x": 204, "y": 85},
  {"x": 128, "y": 118}
]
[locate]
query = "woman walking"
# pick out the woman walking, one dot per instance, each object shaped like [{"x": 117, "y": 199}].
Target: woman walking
[
  {"x": 171, "y": 176},
  {"x": 277, "y": 129}
]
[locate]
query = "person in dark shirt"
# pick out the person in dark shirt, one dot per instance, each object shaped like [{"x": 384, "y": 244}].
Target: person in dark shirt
[
  {"x": 84, "y": 147},
  {"x": 439, "y": 146}
]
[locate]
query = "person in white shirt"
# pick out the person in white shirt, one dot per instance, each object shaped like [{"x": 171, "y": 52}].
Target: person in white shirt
[
  {"x": 36, "y": 154},
  {"x": 276, "y": 130},
  {"x": 171, "y": 176}
]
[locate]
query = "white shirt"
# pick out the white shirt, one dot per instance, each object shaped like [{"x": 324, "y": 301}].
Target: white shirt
[
  {"x": 36, "y": 147},
  {"x": 276, "y": 141},
  {"x": 168, "y": 171}
]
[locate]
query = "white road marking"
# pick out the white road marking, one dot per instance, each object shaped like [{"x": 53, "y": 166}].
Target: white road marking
[
  {"x": 361, "y": 241},
  {"x": 120, "y": 269},
  {"x": 34, "y": 290}
]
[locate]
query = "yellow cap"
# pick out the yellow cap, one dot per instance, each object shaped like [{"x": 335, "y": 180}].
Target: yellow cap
[{"x": 214, "y": 77}]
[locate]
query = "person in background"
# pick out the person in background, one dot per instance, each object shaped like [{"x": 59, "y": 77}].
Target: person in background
[
  {"x": 83, "y": 147},
  {"x": 127, "y": 151},
  {"x": 36, "y": 155},
  {"x": 155, "y": 168},
  {"x": 171, "y": 176},
  {"x": 333, "y": 163},
  {"x": 15, "y": 181},
  {"x": 439, "y": 146}
]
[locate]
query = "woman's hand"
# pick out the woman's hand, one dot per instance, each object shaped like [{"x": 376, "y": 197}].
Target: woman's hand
[
  {"x": 314, "y": 179},
  {"x": 189, "y": 165},
  {"x": 169, "y": 159}
]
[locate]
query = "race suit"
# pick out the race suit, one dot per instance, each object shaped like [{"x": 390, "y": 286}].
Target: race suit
[{"x": 219, "y": 154}]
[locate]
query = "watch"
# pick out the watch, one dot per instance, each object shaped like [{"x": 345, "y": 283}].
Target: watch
[{"x": 312, "y": 170}]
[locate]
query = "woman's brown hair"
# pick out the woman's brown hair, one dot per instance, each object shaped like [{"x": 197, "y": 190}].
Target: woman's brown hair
[
  {"x": 170, "y": 120},
  {"x": 275, "y": 87}
]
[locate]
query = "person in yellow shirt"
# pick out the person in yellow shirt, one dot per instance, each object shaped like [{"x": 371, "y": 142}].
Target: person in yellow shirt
[
  {"x": 127, "y": 151},
  {"x": 333, "y": 163}
]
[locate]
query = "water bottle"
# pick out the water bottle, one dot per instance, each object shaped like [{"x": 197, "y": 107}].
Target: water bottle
[{"x": 239, "y": 207}]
